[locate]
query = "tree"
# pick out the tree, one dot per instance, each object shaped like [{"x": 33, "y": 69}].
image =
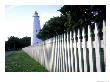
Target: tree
[
  {"x": 74, "y": 17},
  {"x": 52, "y": 28},
  {"x": 82, "y": 15},
  {"x": 15, "y": 43}
]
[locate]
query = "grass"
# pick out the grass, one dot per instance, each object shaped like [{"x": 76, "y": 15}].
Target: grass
[{"x": 19, "y": 61}]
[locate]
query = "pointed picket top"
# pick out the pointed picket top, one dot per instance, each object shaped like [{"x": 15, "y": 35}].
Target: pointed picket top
[
  {"x": 55, "y": 39},
  {"x": 74, "y": 35},
  {"x": 89, "y": 31},
  {"x": 83, "y": 39},
  {"x": 70, "y": 35},
  {"x": 59, "y": 38},
  {"x": 78, "y": 35},
  {"x": 64, "y": 36},
  {"x": 70, "y": 38},
  {"x": 104, "y": 40},
  {"x": 96, "y": 29},
  {"x": 97, "y": 47},
  {"x": 104, "y": 24},
  {"x": 104, "y": 30},
  {"x": 83, "y": 33},
  {"x": 89, "y": 37},
  {"x": 67, "y": 36}
]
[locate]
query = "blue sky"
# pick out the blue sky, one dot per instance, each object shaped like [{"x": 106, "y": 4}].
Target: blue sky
[{"x": 19, "y": 20}]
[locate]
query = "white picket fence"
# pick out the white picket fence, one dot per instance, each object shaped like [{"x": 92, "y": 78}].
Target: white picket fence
[{"x": 64, "y": 53}]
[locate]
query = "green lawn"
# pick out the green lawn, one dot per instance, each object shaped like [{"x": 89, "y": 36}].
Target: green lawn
[{"x": 19, "y": 61}]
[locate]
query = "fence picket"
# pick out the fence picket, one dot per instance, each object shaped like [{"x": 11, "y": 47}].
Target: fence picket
[
  {"x": 104, "y": 41},
  {"x": 63, "y": 54},
  {"x": 59, "y": 53},
  {"x": 55, "y": 54},
  {"x": 66, "y": 67},
  {"x": 52, "y": 56},
  {"x": 79, "y": 51},
  {"x": 84, "y": 51},
  {"x": 71, "y": 48},
  {"x": 90, "y": 46},
  {"x": 69, "y": 53},
  {"x": 75, "y": 51},
  {"x": 97, "y": 47}
]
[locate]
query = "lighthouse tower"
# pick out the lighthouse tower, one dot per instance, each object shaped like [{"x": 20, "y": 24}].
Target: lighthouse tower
[{"x": 36, "y": 29}]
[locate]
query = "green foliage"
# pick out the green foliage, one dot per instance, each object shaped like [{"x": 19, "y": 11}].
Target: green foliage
[
  {"x": 15, "y": 43},
  {"x": 19, "y": 61},
  {"x": 73, "y": 17},
  {"x": 52, "y": 28},
  {"x": 82, "y": 15}
]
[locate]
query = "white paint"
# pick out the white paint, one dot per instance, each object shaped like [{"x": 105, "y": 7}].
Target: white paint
[
  {"x": 58, "y": 61},
  {"x": 79, "y": 51},
  {"x": 90, "y": 50},
  {"x": 36, "y": 29},
  {"x": 84, "y": 46},
  {"x": 97, "y": 47},
  {"x": 75, "y": 52}
]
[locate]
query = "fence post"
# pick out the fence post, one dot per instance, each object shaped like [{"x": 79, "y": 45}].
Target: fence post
[
  {"x": 55, "y": 54},
  {"x": 84, "y": 51},
  {"x": 63, "y": 54},
  {"x": 43, "y": 54},
  {"x": 71, "y": 47},
  {"x": 68, "y": 50},
  {"x": 97, "y": 48},
  {"x": 104, "y": 41},
  {"x": 90, "y": 45},
  {"x": 66, "y": 67},
  {"x": 79, "y": 50},
  {"x": 52, "y": 54},
  {"x": 59, "y": 54},
  {"x": 75, "y": 51}
]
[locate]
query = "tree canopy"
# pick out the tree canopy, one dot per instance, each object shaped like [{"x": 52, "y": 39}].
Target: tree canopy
[
  {"x": 15, "y": 43},
  {"x": 52, "y": 27},
  {"x": 73, "y": 17},
  {"x": 82, "y": 15}
]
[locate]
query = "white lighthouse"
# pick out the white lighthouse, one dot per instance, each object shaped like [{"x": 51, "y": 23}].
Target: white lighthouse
[{"x": 36, "y": 29}]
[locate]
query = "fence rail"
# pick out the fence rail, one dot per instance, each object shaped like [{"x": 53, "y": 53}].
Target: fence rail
[{"x": 71, "y": 52}]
